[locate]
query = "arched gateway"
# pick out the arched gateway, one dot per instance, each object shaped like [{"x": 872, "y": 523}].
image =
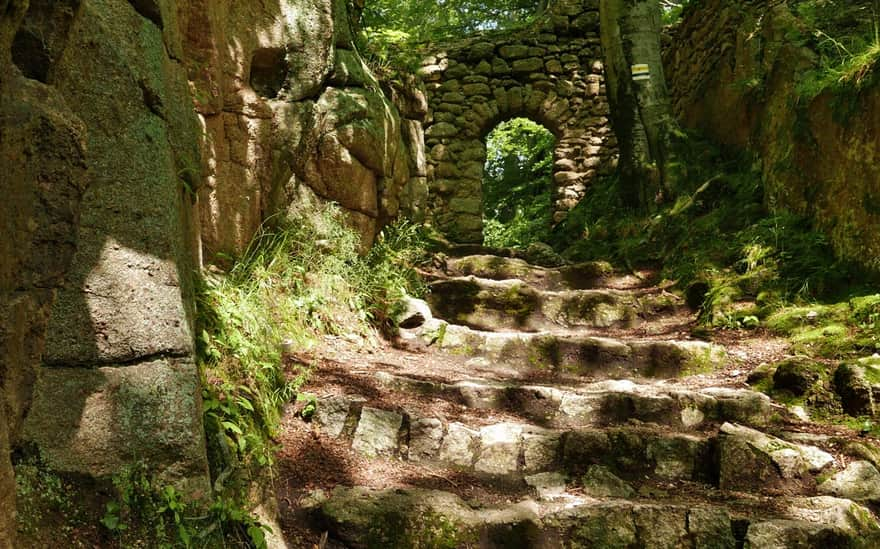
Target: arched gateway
[{"x": 551, "y": 73}]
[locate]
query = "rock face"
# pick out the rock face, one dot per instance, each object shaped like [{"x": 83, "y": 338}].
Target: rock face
[
  {"x": 551, "y": 73},
  {"x": 42, "y": 152},
  {"x": 189, "y": 124},
  {"x": 733, "y": 68},
  {"x": 118, "y": 382},
  {"x": 285, "y": 101}
]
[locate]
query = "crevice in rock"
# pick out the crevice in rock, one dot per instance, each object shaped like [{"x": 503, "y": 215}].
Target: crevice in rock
[
  {"x": 149, "y": 9},
  {"x": 123, "y": 362},
  {"x": 269, "y": 71},
  {"x": 43, "y": 36},
  {"x": 31, "y": 56},
  {"x": 152, "y": 99}
]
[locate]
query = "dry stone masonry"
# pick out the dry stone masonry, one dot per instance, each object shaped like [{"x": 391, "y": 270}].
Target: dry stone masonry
[{"x": 551, "y": 73}]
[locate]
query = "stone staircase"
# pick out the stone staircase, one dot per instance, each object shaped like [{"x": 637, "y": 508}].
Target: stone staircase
[{"x": 581, "y": 439}]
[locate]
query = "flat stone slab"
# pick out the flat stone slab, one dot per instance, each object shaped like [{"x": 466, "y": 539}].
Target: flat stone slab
[
  {"x": 603, "y": 402},
  {"x": 332, "y": 413},
  {"x": 415, "y": 518},
  {"x": 514, "y": 305},
  {"x": 595, "y": 356},
  {"x": 377, "y": 432},
  {"x": 582, "y": 276}
]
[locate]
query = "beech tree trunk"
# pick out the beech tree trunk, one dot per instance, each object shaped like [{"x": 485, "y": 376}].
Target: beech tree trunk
[{"x": 640, "y": 109}]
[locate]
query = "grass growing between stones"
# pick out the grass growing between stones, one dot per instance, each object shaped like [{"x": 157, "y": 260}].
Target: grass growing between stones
[
  {"x": 846, "y": 38},
  {"x": 300, "y": 280}
]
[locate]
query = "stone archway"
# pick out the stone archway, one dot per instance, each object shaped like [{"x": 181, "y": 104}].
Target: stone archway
[{"x": 551, "y": 73}]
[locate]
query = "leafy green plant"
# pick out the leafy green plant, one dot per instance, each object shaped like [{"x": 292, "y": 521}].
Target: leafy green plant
[
  {"x": 45, "y": 501},
  {"x": 146, "y": 512},
  {"x": 300, "y": 279},
  {"x": 846, "y": 36}
]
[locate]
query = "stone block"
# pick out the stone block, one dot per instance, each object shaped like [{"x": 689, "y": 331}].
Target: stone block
[
  {"x": 377, "y": 432},
  {"x": 514, "y": 51},
  {"x": 441, "y": 129},
  {"x": 540, "y": 451},
  {"x": 499, "y": 449},
  {"x": 476, "y": 89},
  {"x": 425, "y": 438},
  {"x": 458, "y": 445},
  {"x": 532, "y": 64},
  {"x": 96, "y": 421}
]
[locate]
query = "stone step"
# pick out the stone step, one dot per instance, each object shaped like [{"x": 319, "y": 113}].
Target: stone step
[
  {"x": 734, "y": 458},
  {"x": 580, "y": 276},
  {"x": 602, "y": 403},
  {"x": 497, "y": 305},
  {"x": 411, "y": 517},
  {"x": 599, "y": 357},
  {"x": 515, "y": 450}
]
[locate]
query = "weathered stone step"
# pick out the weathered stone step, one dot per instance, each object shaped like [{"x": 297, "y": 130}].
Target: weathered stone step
[
  {"x": 602, "y": 403},
  {"x": 516, "y": 450},
  {"x": 580, "y": 276},
  {"x": 514, "y": 305},
  {"x": 588, "y": 356},
  {"x": 410, "y": 518},
  {"x": 736, "y": 458}
]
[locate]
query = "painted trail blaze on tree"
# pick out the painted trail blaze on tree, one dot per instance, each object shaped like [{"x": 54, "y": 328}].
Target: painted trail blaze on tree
[{"x": 640, "y": 110}]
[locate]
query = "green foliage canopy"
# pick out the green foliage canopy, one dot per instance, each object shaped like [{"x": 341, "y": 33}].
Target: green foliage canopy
[
  {"x": 517, "y": 183},
  {"x": 392, "y": 29},
  {"x": 444, "y": 18}
]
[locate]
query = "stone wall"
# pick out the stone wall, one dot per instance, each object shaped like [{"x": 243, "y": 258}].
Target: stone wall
[
  {"x": 733, "y": 69},
  {"x": 551, "y": 73}
]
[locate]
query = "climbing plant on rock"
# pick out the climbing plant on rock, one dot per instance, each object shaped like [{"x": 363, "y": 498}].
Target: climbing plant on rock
[{"x": 640, "y": 108}]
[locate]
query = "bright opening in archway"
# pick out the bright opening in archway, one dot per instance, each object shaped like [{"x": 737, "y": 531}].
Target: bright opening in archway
[{"x": 517, "y": 184}]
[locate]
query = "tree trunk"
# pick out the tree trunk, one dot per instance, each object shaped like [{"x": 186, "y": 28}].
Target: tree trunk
[{"x": 640, "y": 109}]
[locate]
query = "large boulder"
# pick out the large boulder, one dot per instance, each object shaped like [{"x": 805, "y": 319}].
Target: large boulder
[
  {"x": 348, "y": 147},
  {"x": 118, "y": 384},
  {"x": 856, "y": 383},
  {"x": 752, "y": 460}
]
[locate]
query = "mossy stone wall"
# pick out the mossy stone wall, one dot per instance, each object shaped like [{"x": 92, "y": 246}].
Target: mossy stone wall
[
  {"x": 734, "y": 69},
  {"x": 552, "y": 73}
]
